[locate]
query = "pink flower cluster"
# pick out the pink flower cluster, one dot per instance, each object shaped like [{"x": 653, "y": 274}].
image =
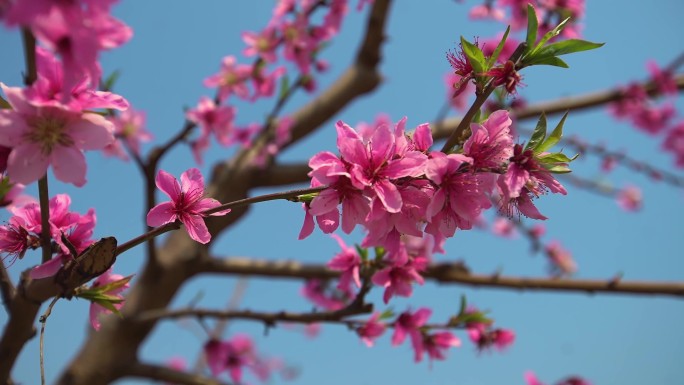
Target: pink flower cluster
[
  {"x": 294, "y": 34},
  {"x": 550, "y": 12},
  {"x": 237, "y": 354},
  {"x": 411, "y": 325},
  {"x": 409, "y": 200},
  {"x": 48, "y": 126},
  {"x": 636, "y": 106},
  {"x": 22, "y": 232},
  {"x": 75, "y": 30}
]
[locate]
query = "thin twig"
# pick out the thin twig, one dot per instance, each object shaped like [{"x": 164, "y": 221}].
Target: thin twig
[
  {"x": 29, "y": 56},
  {"x": 43, "y": 321},
  {"x": 45, "y": 238},
  {"x": 264, "y": 198}
]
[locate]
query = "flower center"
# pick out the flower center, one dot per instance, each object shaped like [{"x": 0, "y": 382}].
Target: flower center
[{"x": 48, "y": 132}]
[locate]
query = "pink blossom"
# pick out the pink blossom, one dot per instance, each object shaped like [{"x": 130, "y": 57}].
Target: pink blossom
[
  {"x": 518, "y": 10},
  {"x": 213, "y": 119},
  {"x": 489, "y": 45},
  {"x": 560, "y": 259},
  {"x": 231, "y": 79},
  {"x": 76, "y": 32},
  {"x": 437, "y": 344},
  {"x": 526, "y": 179},
  {"x": 333, "y": 19},
  {"x": 462, "y": 68},
  {"x": 299, "y": 43},
  {"x": 231, "y": 356},
  {"x": 633, "y": 99},
  {"x": 385, "y": 229},
  {"x": 76, "y": 228},
  {"x": 490, "y": 145},
  {"x": 371, "y": 330},
  {"x": 262, "y": 44},
  {"x": 537, "y": 230},
  {"x": 48, "y": 89},
  {"x": 187, "y": 204},
  {"x": 316, "y": 291},
  {"x": 96, "y": 311},
  {"x": 460, "y": 196},
  {"x": 664, "y": 81},
  {"x": 348, "y": 262},
  {"x": 504, "y": 227},
  {"x": 460, "y": 100},
  {"x": 485, "y": 338},
  {"x": 15, "y": 240},
  {"x": 505, "y": 76},
  {"x": 129, "y": 128},
  {"x": 531, "y": 379},
  {"x": 629, "y": 198},
  {"x": 653, "y": 120},
  {"x": 373, "y": 163},
  {"x": 486, "y": 11},
  {"x": 265, "y": 83},
  {"x": 397, "y": 278},
  {"x": 674, "y": 143},
  {"x": 44, "y": 136},
  {"x": 409, "y": 324}
]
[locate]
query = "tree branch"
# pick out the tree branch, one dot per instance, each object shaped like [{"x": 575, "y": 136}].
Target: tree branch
[
  {"x": 269, "y": 319},
  {"x": 168, "y": 375},
  {"x": 6, "y": 286},
  {"x": 574, "y": 103},
  {"x": 447, "y": 273}
]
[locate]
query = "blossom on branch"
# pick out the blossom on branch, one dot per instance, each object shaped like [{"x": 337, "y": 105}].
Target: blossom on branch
[{"x": 187, "y": 204}]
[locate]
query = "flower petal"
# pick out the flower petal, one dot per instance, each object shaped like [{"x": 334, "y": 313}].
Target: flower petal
[
  {"x": 161, "y": 214},
  {"x": 168, "y": 184},
  {"x": 69, "y": 165}
]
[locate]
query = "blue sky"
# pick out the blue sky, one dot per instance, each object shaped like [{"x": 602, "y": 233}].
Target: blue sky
[{"x": 608, "y": 339}]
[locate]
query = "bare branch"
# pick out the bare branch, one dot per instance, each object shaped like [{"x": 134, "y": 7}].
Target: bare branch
[
  {"x": 448, "y": 273},
  {"x": 168, "y": 375},
  {"x": 269, "y": 319},
  {"x": 6, "y": 286}
]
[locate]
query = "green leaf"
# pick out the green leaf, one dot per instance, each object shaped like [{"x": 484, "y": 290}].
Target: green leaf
[
  {"x": 388, "y": 313},
  {"x": 4, "y": 104},
  {"x": 568, "y": 46},
  {"x": 499, "y": 48},
  {"x": 556, "y": 168},
  {"x": 475, "y": 56},
  {"x": 114, "y": 285},
  {"x": 532, "y": 27},
  {"x": 108, "y": 83},
  {"x": 109, "y": 306},
  {"x": 555, "y": 136},
  {"x": 363, "y": 253},
  {"x": 546, "y": 60},
  {"x": 379, "y": 253},
  {"x": 550, "y": 35},
  {"x": 5, "y": 187},
  {"x": 555, "y": 157},
  {"x": 539, "y": 133},
  {"x": 284, "y": 86},
  {"x": 464, "y": 305}
]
